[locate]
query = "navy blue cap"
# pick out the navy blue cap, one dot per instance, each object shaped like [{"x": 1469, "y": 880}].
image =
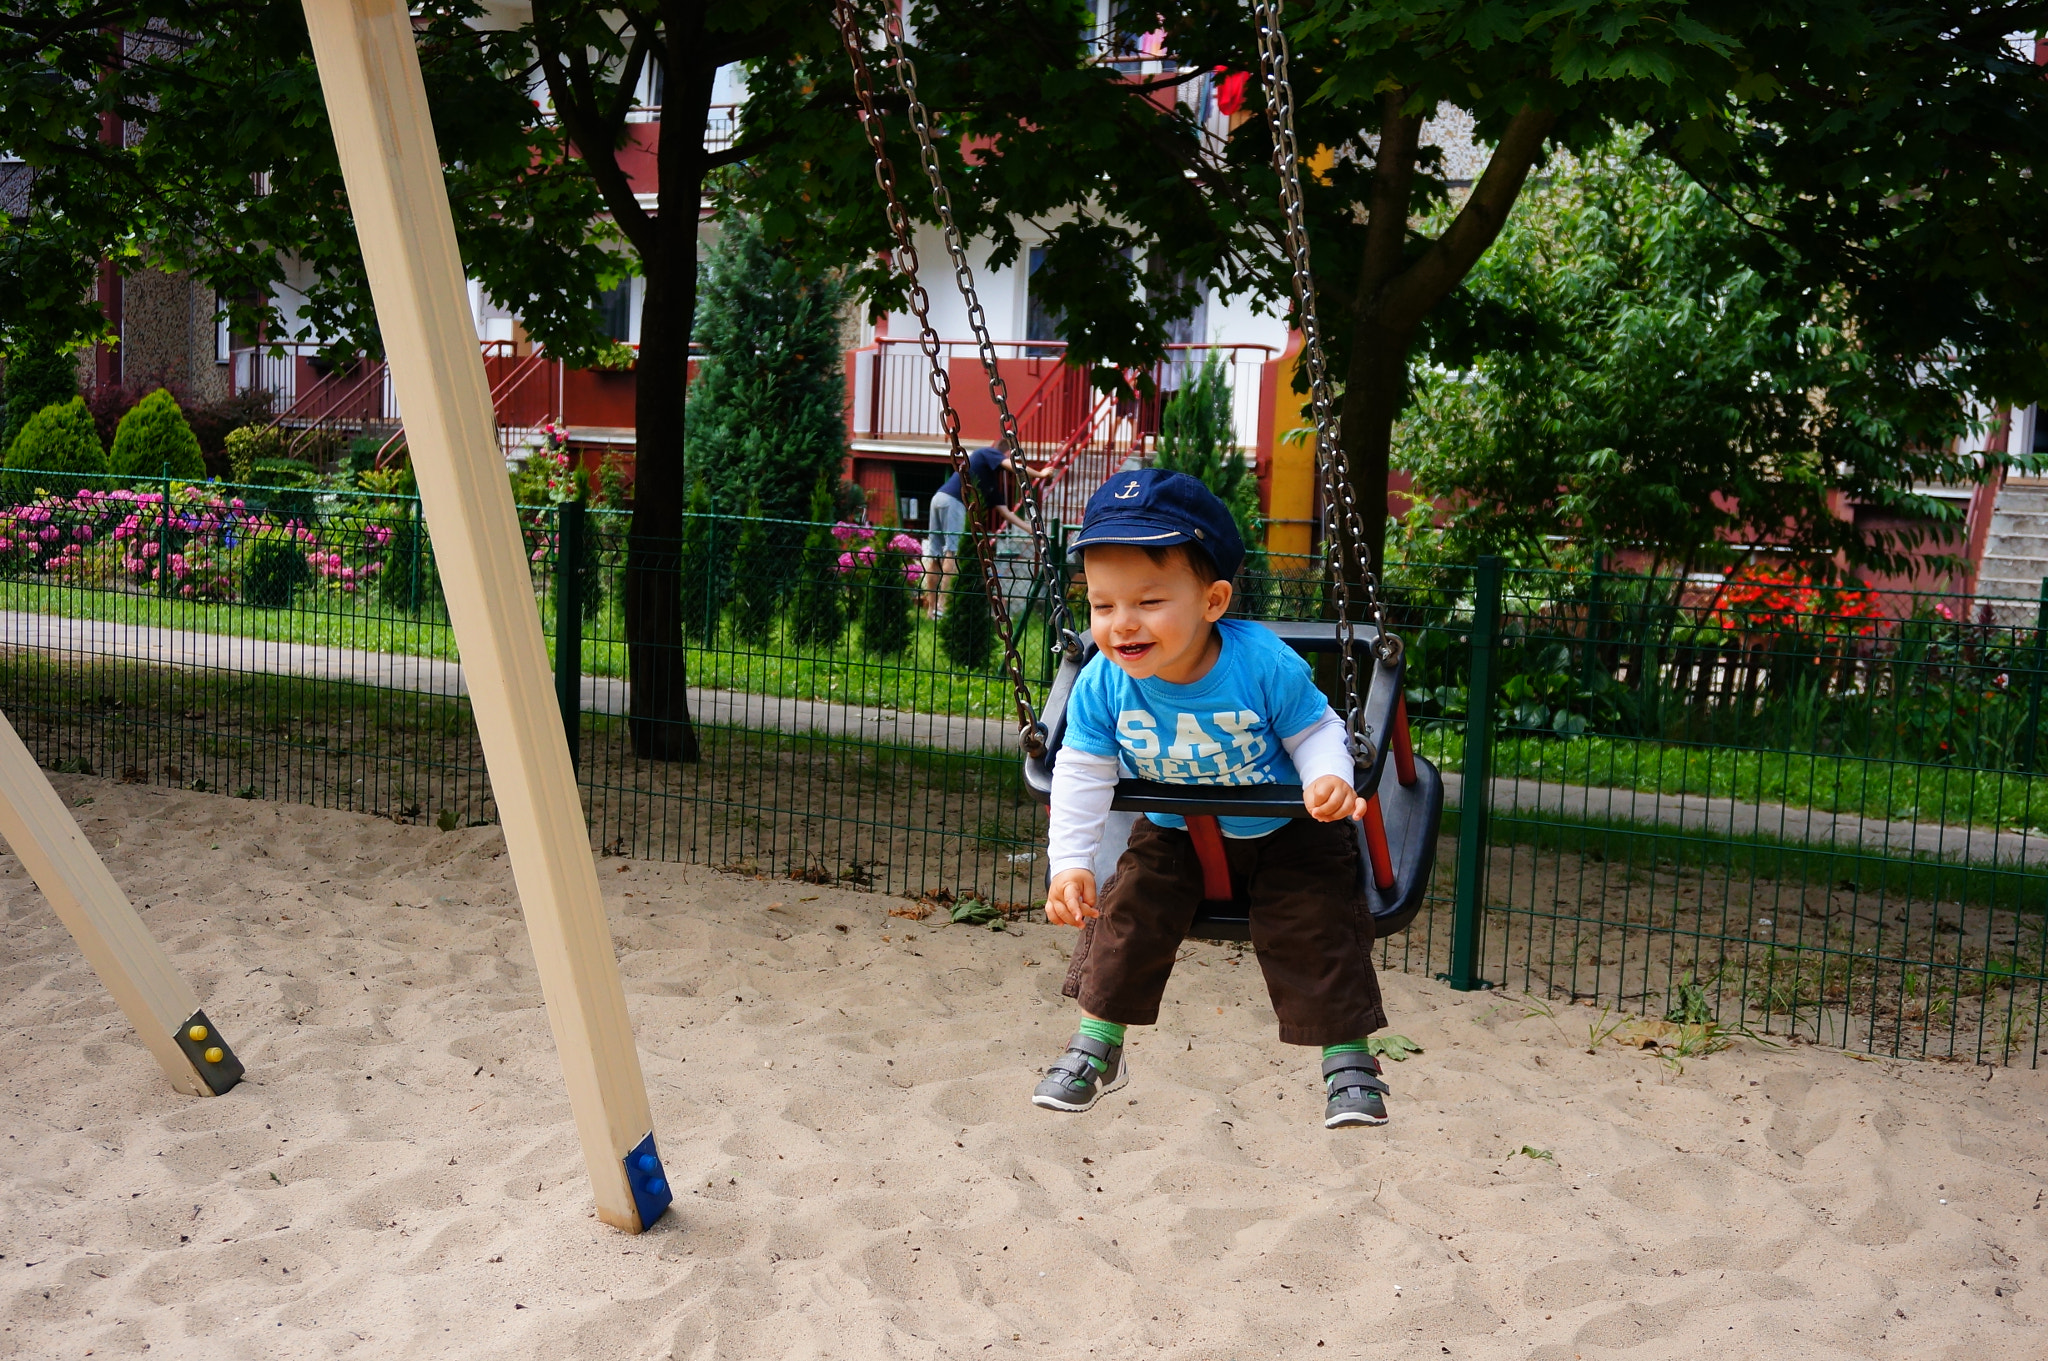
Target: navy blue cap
[{"x": 1153, "y": 508}]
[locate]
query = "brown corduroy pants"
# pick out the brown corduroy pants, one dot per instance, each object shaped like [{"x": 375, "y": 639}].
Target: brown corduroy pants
[{"x": 1311, "y": 928}]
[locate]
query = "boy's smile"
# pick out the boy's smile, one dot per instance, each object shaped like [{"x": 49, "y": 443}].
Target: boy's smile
[{"x": 1153, "y": 619}]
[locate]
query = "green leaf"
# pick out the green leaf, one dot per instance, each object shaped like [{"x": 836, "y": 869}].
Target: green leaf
[
  {"x": 1395, "y": 1047},
  {"x": 974, "y": 912}
]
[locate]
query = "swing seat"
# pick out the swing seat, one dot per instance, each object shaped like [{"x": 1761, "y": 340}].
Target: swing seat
[{"x": 1394, "y": 872}]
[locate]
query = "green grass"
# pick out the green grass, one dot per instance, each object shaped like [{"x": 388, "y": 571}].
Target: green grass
[
  {"x": 921, "y": 680},
  {"x": 322, "y": 618},
  {"x": 1873, "y": 788},
  {"x": 1875, "y": 875}
]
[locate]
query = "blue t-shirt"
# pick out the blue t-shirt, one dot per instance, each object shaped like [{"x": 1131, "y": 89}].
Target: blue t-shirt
[
  {"x": 1223, "y": 729},
  {"x": 987, "y": 467}
]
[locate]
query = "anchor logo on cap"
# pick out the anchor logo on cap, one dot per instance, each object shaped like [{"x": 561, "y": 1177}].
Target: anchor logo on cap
[{"x": 1130, "y": 490}]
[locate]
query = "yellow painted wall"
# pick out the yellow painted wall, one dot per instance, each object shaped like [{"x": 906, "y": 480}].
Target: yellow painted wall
[{"x": 1291, "y": 490}]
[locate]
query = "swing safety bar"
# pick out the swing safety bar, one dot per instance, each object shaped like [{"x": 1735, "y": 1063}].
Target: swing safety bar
[{"x": 1397, "y": 836}]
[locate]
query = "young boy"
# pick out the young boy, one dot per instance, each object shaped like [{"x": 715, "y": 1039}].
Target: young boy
[{"x": 1180, "y": 694}]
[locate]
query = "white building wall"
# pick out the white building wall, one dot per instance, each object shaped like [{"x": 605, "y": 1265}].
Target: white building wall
[{"x": 1005, "y": 301}]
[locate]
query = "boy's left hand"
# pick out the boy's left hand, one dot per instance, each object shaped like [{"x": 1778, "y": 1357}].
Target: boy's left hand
[{"x": 1331, "y": 798}]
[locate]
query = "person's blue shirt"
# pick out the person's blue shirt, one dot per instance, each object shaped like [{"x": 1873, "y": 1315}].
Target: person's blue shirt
[
  {"x": 986, "y": 465},
  {"x": 1226, "y": 728}
]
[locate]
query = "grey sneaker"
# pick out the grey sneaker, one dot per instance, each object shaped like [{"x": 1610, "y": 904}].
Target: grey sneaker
[
  {"x": 1357, "y": 1096},
  {"x": 1075, "y": 1084}
]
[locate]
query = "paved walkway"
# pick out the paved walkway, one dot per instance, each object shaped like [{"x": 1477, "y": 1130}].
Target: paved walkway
[
  {"x": 1729, "y": 817},
  {"x": 428, "y": 675},
  {"x": 772, "y": 713}
]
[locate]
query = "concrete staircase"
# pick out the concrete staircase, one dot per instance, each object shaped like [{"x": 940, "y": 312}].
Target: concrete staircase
[{"x": 2016, "y": 550}]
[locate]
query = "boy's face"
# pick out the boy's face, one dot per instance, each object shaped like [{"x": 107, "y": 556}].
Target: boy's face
[{"x": 1153, "y": 619}]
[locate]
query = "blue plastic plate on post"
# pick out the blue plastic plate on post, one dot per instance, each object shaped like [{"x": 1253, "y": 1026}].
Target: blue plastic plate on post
[{"x": 651, "y": 1192}]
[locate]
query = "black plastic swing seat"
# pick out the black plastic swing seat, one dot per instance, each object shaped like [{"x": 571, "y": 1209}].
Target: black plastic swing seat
[{"x": 1412, "y": 813}]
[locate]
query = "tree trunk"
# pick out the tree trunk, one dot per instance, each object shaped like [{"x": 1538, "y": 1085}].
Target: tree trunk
[
  {"x": 1374, "y": 382},
  {"x": 660, "y": 705}
]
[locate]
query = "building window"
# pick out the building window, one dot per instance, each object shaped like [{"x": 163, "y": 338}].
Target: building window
[
  {"x": 615, "y": 311},
  {"x": 1040, "y": 321}
]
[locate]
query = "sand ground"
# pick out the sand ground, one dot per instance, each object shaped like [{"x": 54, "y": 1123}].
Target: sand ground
[{"x": 840, "y": 1096}]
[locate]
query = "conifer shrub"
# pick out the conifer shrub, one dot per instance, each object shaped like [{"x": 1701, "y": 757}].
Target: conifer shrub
[
  {"x": 38, "y": 376},
  {"x": 768, "y": 409},
  {"x": 702, "y": 576},
  {"x": 757, "y": 579},
  {"x": 273, "y": 571},
  {"x": 408, "y": 580},
  {"x": 967, "y": 633},
  {"x": 817, "y": 600},
  {"x": 154, "y": 436},
  {"x": 57, "y": 452},
  {"x": 1198, "y": 436},
  {"x": 888, "y": 602}
]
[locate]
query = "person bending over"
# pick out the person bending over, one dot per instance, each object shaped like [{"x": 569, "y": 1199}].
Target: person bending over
[
  {"x": 1180, "y": 694},
  {"x": 948, "y": 518}
]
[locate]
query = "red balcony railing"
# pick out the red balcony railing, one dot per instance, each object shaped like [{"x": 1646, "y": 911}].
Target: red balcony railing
[{"x": 1063, "y": 420}]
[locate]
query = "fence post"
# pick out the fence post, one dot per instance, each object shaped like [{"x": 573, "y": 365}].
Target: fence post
[
  {"x": 2034, "y": 682},
  {"x": 569, "y": 623},
  {"x": 417, "y": 539},
  {"x": 1477, "y": 786},
  {"x": 1595, "y": 610},
  {"x": 163, "y": 534}
]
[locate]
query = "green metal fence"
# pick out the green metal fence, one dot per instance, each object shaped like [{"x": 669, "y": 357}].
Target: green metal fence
[{"x": 1753, "y": 804}]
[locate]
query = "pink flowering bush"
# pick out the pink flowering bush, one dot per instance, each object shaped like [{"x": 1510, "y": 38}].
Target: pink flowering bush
[
  {"x": 865, "y": 543},
  {"x": 883, "y": 571},
  {"x": 191, "y": 543}
]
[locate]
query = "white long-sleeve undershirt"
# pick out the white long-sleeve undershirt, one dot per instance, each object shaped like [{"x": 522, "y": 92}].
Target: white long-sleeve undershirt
[{"x": 1083, "y": 786}]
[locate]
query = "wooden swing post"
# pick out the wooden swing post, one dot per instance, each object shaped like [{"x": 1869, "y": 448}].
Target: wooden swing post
[
  {"x": 376, "y": 101},
  {"x": 157, "y": 1000}
]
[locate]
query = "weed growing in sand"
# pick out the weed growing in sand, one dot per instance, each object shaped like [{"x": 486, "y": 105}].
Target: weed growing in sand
[
  {"x": 1534, "y": 1154},
  {"x": 1599, "y": 1029},
  {"x": 1689, "y": 1003}
]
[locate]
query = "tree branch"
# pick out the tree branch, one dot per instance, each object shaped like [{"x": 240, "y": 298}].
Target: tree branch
[
  {"x": 1410, "y": 295},
  {"x": 629, "y": 79},
  {"x": 1393, "y": 188},
  {"x": 739, "y": 151},
  {"x": 594, "y": 139}
]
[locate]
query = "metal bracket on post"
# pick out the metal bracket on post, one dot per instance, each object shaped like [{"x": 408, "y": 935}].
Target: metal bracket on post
[
  {"x": 159, "y": 1003},
  {"x": 569, "y": 624},
  {"x": 1477, "y": 789}
]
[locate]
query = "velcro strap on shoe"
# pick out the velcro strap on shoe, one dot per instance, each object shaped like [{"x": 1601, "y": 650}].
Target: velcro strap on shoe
[
  {"x": 1357, "y": 1077},
  {"x": 1088, "y": 1044},
  {"x": 1337, "y": 1063},
  {"x": 1341, "y": 1071},
  {"x": 1075, "y": 1061}
]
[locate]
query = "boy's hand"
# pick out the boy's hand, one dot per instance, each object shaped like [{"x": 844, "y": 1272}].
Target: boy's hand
[
  {"x": 1331, "y": 798},
  {"x": 1071, "y": 898}
]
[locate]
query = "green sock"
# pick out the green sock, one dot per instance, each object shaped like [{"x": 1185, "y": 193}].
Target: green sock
[
  {"x": 1109, "y": 1032},
  {"x": 1350, "y": 1047}
]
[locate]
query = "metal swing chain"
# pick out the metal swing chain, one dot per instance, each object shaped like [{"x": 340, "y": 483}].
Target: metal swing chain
[
  {"x": 977, "y": 319},
  {"x": 1031, "y": 731},
  {"x": 1337, "y": 500}
]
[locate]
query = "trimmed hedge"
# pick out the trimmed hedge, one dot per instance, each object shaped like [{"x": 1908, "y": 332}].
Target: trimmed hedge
[
  {"x": 153, "y": 436},
  {"x": 52, "y": 450}
]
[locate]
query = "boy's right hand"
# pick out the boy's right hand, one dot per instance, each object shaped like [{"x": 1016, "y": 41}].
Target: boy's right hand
[{"x": 1071, "y": 899}]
